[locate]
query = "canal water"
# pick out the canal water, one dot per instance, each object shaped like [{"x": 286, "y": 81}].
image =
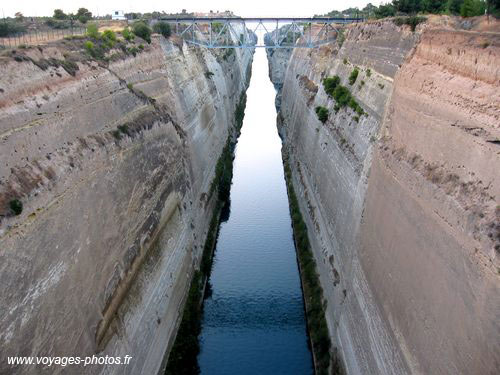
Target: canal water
[{"x": 254, "y": 321}]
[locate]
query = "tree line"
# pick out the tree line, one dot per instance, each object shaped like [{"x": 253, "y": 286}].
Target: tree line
[{"x": 464, "y": 8}]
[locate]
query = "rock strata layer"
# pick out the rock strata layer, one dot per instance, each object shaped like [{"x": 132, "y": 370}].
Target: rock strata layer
[
  {"x": 402, "y": 203},
  {"x": 113, "y": 166}
]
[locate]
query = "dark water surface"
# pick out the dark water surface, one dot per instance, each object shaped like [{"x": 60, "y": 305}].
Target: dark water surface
[{"x": 254, "y": 322}]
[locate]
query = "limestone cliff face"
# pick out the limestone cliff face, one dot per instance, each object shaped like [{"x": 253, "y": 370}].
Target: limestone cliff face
[
  {"x": 113, "y": 166},
  {"x": 278, "y": 62},
  {"x": 402, "y": 205}
]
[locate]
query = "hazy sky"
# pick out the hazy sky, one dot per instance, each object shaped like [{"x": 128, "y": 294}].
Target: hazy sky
[{"x": 243, "y": 8}]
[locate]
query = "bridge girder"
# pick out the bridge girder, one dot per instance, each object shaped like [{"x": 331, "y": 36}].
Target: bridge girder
[{"x": 285, "y": 32}]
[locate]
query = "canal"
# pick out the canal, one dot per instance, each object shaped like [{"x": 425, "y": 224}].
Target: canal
[{"x": 253, "y": 320}]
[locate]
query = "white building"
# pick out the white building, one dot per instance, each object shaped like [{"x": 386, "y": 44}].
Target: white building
[{"x": 118, "y": 15}]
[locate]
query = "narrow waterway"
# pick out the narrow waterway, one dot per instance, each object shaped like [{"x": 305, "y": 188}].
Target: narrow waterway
[{"x": 254, "y": 320}]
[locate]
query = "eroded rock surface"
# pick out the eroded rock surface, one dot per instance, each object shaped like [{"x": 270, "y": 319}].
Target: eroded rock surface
[
  {"x": 402, "y": 203},
  {"x": 113, "y": 166}
]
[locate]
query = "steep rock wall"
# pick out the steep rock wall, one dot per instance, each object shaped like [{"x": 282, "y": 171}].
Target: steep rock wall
[
  {"x": 402, "y": 204},
  {"x": 113, "y": 167}
]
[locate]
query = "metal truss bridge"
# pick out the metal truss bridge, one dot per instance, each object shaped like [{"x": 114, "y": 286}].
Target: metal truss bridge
[{"x": 235, "y": 32}]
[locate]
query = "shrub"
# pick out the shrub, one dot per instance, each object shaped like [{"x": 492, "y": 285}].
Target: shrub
[
  {"x": 8, "y": 28},
  {"x": 322, "y": 113},
  {"x": 330, "y": 83},
  {"x": 354, "y": 76},
  {"x": 142, "y": 31},
  {"x": 109, "y": 38},
  {"x": 208, "y": 74},
  {"x": 70, "y": 66},
  {"x": 109, "y": 34},
  {"x": 133, "y": 51},
  {"x": 128, "y": 35},
  {"x": 368, "y": 72},
  {"x": 341, "y": 95},
  {"x": 411, "y": 21},
  {"x": 16, "y": 206},
  {"x": 381, "y": 86},
  {"x": 93, "y": 31},
  {"x": 141, "y": 46},
  {"x": 345, "y": 61},
  {"x": 94, "y": 50},
  {"x": 89, "y": 46},
  {"x": 162, "y": 28}
]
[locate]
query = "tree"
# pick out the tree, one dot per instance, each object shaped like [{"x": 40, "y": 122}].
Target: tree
[
  {"x": 369, "y": 9},
  {"x": 467, "y": 8},
  {"x": 433, "y": 6},
  {"x": 83, "y": 15},
  {"x": 408, "y": 6},
  {"x": 386, "y": 10},
  {"x": 19, "y": 16},
  {"x": 454, "y": 6},
  {"x": 59, "y": 14},
  {"x": 471, "y": 8},
  {"x": 493, "y": 7},
  {"x": 162, "y": 28},
  {"x": 132, "y": 16}
]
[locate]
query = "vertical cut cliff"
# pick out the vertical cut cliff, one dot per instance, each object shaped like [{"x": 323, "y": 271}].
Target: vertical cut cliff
[
  {"x": 112, "y": 162},
  {"x": 401, "y": 203}
]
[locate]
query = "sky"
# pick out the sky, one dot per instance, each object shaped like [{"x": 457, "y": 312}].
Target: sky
[{"x": 244, "y": 8}]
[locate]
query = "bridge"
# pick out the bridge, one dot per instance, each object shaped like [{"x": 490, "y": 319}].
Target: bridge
[{"x": 237, "y": 32}]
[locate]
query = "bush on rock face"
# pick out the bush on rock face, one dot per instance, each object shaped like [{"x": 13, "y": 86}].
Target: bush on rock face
[
  {"x": 162, "y": 28},
  {"x": 322, "y": 114},
  {"x": 142, "y": 31}
]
